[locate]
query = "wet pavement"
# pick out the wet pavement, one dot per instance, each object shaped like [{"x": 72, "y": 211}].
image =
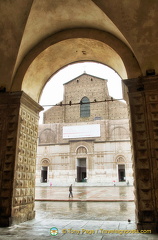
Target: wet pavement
[
  {"x": 124, "y": 193},
  {"x": 80, "y": 218},
  {"x": 105, "y": 211},
  {"x": 40, "y": 229}
]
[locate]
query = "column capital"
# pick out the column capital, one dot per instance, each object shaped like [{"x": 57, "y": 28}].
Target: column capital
[
  {"x": 146, "y": 83},
  {"x": 30, "y": 103},
  {"x": 20, "y": 97}
]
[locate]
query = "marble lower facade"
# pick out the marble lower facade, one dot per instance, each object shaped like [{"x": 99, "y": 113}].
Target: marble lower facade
[{"x": 96, "y": 168}]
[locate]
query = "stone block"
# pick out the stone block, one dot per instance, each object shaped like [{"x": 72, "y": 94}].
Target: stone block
[
  {"x": 18, "y": 175},
  {"x": 5, "y": 211},
  {"x": 144, "y": 175},
  {"x": 146, "y": 216},
  {"x": 7, "y": 184},
  {"x": 141, "y": 184},
  {"x": 142, "y": 163},
  {"x": 9, "y": 157},
  {"x": 23, "y": 175},
  {"x": 17, "y": 192},
  {"x": 6, "y": 201},
  {"x": 7, "y": 175},
  {"x": 142, "y": 153},
  {"x": 146, "y": 205},
  {"x": 141, "y": 135},
  {"x": 5, "y": 193},
  {"x": 145, "y": 194},
  {"x": 139, "y": 117},
  {"x": 154, "y": 116}
]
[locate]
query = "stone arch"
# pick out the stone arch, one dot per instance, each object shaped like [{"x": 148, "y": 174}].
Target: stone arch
[
  {"x": 120, "y": 159},
  {"x": 144, "y": 152},
  {"x": 45, "y": 162},
  {"x": 26, "y": 80},
  {"x": 102, "y": 41},
  {"x": 88, "y": 146},
  {"x": 119, "y": 132},
  {"x": 81, "y": 150},
  {"x": 46, "y": 136}
]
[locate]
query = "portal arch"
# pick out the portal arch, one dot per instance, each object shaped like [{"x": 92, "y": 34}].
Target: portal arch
[{"x": 84, "y": 45}]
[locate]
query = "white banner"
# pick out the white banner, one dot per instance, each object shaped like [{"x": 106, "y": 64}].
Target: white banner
[{"x": 81, "y": 131}]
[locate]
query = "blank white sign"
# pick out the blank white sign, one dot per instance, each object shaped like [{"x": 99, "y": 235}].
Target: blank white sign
[{"x": 81, "y": 131}]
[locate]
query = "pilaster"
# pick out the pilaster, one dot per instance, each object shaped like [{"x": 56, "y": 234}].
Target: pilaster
[{"x": 143, "y": 101}]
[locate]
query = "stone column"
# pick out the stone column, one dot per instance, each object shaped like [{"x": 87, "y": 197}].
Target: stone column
[
  {"x": 143, "y": 102},
  {"x": 18, "y": 140}
]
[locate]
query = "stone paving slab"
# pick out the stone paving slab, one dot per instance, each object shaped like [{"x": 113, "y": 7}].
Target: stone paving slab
[{"x": 67, "y": 230}]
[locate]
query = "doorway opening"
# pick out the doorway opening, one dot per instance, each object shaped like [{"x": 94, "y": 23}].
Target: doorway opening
[
  {"x": 44, "y": 174},
  {"x": 81, "y": 170},
  {"x": 121, "y": 173}
]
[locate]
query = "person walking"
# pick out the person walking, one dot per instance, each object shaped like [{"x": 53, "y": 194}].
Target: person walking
[{"x": 70, "y": 191}]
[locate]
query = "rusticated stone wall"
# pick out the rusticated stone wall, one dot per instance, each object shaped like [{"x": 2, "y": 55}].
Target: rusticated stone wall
[
  {"x": 9, "y": 112},
  {"x": 18, "y": 137},
  {"x": 143, "y": 100}
]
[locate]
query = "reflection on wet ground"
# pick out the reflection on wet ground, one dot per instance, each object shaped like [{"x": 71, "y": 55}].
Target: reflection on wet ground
[
  {"x": 111, "y": 211},
  {"x": 122, "y": 193},
  {"x": 81, "y": 214},
  {"x": 89, "y": 203}
]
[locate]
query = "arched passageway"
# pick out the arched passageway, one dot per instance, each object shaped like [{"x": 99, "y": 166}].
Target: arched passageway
[
  {"x": 76, "y": 45},
  {"x": 39, "y": 64}
]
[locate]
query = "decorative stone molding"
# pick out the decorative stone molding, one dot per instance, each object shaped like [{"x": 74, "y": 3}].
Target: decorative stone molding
[
  {"x": 81, "y": 150},
  {"x": 88, "y": 145},
  {"x": 143, "y": 100},
  {"x": 120, "y": 159},
  {"x": 45, "y": 162}
]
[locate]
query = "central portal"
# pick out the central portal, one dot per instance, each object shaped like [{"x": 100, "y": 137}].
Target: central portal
[
  {"x": 121, "y": 173},
  {"x": 81, "y": 170},
  {"x": 44, "y": 174}
]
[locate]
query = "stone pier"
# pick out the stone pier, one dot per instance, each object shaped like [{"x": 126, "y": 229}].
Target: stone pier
[{"x": 18, "y": 140}]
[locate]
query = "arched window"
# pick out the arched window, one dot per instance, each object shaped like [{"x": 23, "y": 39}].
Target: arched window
[{"x": 85, "y": 108}]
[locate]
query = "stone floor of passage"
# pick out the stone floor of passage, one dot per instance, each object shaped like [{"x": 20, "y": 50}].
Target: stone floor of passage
[{"x": 83, "y": 219}]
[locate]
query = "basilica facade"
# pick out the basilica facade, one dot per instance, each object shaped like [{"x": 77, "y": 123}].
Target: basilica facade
[{"x": 84, "y": 140}]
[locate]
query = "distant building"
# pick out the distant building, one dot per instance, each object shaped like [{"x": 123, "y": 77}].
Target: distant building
[{"x": 86, "y": 138}]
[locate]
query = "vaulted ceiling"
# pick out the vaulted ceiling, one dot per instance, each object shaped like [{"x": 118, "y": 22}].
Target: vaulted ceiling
[{"x": 39, "y": 37}]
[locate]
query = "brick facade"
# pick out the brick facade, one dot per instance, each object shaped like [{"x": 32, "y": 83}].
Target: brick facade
[{"x": 103, "y": 155}]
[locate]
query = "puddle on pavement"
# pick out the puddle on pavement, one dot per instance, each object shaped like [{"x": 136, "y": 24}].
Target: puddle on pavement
[{"x": 112, "y": 211}]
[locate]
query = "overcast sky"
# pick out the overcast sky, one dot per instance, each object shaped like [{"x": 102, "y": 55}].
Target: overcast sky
[{"x": 53, "y": 90}]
